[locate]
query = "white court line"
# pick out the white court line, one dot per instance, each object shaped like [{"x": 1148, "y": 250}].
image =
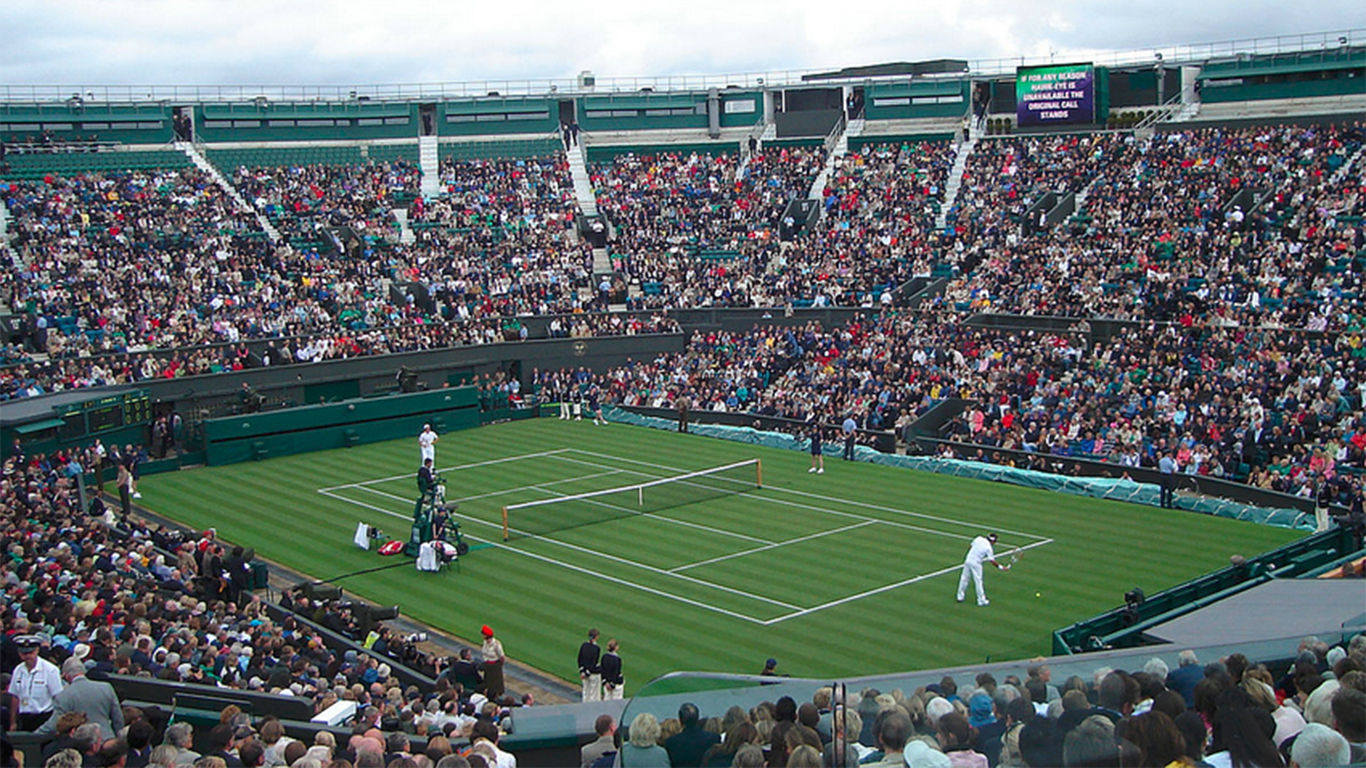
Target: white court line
[
  {"x": 837, "y": 500},
  {"x": 797, "y": 611},
  {"x": 456, "y": 468},
  {"x": 652, "y": 515},
  {"x": 562, "y": 564},
  {"x": 662, "y": 572},
  {"x": 490, "y": 494},
  {"x": 771, "y": 546},
  {"x": 1039, "y": 541},
  {"x": 799, "y": 505},
  {"x": 596, "y": 553},
  {"x": 872, "y": 592}
]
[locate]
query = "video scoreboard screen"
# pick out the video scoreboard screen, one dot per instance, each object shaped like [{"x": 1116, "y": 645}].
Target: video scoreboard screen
[{"x": 1060, "y": 94}]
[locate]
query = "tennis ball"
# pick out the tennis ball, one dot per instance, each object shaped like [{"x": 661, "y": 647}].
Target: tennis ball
[{"x": 1038, "y": 594}]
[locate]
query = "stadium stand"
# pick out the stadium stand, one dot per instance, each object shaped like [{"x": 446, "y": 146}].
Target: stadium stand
[{"x": 1202, "y": 297}]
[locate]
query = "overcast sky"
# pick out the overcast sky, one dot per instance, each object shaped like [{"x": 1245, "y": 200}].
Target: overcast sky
[{"x": 348, "y": 42}]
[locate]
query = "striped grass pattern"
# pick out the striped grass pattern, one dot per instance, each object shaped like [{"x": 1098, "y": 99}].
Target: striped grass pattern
[{"x": 851, "y": 572}]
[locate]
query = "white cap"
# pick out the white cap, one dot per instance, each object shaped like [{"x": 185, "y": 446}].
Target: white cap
[{"x": 918, "y": 754}]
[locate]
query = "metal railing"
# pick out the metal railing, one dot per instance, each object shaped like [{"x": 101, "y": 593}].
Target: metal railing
[
  {"x": 833, "y": 138},
  {"x": 1162, "y": 114},
  {"x": 1326, "y": 42}
]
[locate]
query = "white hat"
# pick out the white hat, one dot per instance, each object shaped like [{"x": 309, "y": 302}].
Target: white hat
[
  {"x": 918, "y": 754},
  {"x": 80, "y": 651},
  {"x": 937, "y": 708}
]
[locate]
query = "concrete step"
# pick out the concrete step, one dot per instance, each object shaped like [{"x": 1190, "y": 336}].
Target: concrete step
[
  {"x": 405, "y": 232},
  {"x": 818, "y": 186},
  {"x": 429, "y": 156},
  {"x": 955, "y": 180},
  {"x": 583, "y": 185},
  {"x": 602, "y": 261}
]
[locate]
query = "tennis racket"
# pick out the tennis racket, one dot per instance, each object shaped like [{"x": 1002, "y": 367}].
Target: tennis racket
[{"x": 1015, "y": 555}]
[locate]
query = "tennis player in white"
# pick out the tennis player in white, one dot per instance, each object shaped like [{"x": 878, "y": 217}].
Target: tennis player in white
[
  {"x": 427, "y": 441},
  {"x": 979, "y": 552}
]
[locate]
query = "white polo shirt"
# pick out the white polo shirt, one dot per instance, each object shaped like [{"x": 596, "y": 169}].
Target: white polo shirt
[
  {"x": 36, "y": 687},
  {"x": 979, "y": 551}
]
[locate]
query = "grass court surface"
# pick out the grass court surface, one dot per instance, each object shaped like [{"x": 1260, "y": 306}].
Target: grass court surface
[{"x": 851, "y": 572}]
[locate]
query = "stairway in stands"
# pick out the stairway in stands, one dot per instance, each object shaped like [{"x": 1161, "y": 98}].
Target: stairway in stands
[
  {"x": 405, "y": 232},
  {"x": 7, "y": 255},
  {"x": 583, "y": 186},
  {"x": 837, "y": 153},
  {"x": 430, "y": 159},
  {"x": 203, "y": 164},
  {"x": 955, "y": 181},
  {"x": 1337, "y": 178},
  {"x": 588, "y": 204}
]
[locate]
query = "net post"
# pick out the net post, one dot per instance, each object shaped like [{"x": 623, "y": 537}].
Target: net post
[
  {"x": 758, "y": 473},
  {"x": 505, "y": 523}
]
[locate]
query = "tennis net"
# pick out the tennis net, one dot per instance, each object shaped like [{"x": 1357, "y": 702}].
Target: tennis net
[{"x": 544, "y": 516}]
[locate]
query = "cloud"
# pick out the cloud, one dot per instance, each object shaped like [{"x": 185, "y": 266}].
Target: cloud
[{"x": 348, "y": 43}]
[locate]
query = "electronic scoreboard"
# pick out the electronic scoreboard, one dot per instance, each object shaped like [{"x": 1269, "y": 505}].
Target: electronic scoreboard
[{"x": 105, "y": 414}]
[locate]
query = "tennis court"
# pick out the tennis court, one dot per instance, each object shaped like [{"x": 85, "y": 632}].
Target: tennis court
[
  {"x": 733, "y": 547},
  {"x": 703, "y": 580}
]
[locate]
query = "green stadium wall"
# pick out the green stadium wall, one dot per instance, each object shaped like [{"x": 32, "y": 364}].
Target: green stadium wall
[
  {"x": 305, "y": 121},
  {"x": 1340, "y": 72},
  {"x": 644, "y": 112},
  {"x": 917, "y": 99},
  {"x": 337, "y": 425},
  {"x": 79, "y": 121},
  {"x": 733, "y": 101},
  {"x": 498, "y": 116}
]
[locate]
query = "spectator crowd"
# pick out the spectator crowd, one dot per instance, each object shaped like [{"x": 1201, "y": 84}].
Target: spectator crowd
[
  {"x": 1231, "y": 711},
  {"x": 92, "y": 590}
]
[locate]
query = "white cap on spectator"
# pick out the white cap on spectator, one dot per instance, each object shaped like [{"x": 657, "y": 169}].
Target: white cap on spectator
[
  {"x": 1335, "y": 654},
  {"x": 81, "y": 651},
  {"x": 937, "y": 708},
  {"x": 918, "y": 754},
  {"x": 1318, "y": 745}
]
